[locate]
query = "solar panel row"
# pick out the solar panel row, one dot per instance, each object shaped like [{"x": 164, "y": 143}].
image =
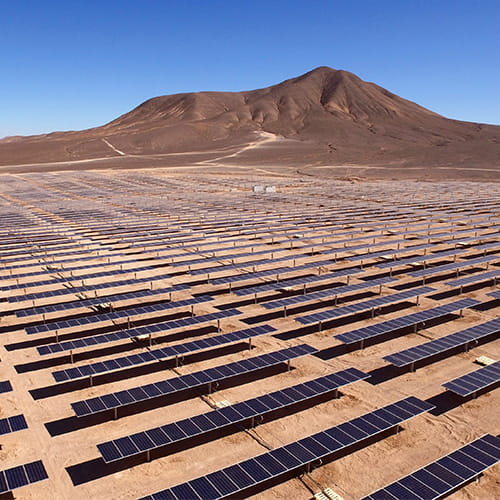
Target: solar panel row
[
  {"x": 363, "y": 306},
  {"x": 102, "y": 274},
  {"x": 230, "y": 415},
  {"x": 189, "y": 381},
  {"x": 445, "y": 475},
  {"x": 89, "y": 370},
  {"x": 122, "y": 313},
  {"x": 475, "y": 278},
  {"x": 264, "y": 287},
  {"x": 135, "y": 332},
  {"x": 238, "y": 478},
  {"x": 22, "y": 475},
  {"x": 455, "y": 265},
  {"x": 63, "y": 306},
  {"x": 322, "y": 294},
  {"x": 78, "y": 289},
  {"x": 472, "y": 382},
  {"x": 404, "y": 321},
  {"x": 443, "y": 344},
  {"x": 420, "y": 258}
]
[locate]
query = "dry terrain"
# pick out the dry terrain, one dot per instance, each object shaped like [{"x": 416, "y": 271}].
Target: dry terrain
[{"x": 71, "y": 236}]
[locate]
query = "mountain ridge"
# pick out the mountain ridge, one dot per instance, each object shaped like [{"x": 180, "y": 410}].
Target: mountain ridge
[{"x": 322, "y": 115}]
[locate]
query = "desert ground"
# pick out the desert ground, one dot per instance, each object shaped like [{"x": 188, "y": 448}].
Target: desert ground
[{"x": 68, "y": 236}]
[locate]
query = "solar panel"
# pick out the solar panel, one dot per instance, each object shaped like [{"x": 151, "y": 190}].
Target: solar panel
[
  {"x": 22, "y": 475},
  {"x": 404, "y": 321},
  {"x": 63, "y": 306},
  {"x": 149, "y": 356},
  {"x": 495, "y": 294},
  {"x": 443, "y": 344},
  {"x": 238, "y": 413},
  {"x": 445, "y": 475},
  {"x": 455, "y": 265},
  {"x": 235, "y": 480},
  {"x": 134, "y": 332},
  {"x": 5, "y": 386},
  {"x": 470, "y": 383},
  {"x": 330, "y": 292},
  {"x": 113, "y": 315},
  {"x": 363, "y": 306},
  {"x": 12, "y": 424},
  {"x": 475, "y": 278},
  {"x": 183, "y": 382}
]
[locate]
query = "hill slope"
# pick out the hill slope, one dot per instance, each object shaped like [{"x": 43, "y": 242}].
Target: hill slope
[{"x": 320, "y": 118}]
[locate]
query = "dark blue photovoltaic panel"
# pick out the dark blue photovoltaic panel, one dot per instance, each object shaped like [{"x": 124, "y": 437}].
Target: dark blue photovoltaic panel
[
  {"x": 363, "y": 306},
  {"x": 446, "y": 474},
  {"x": 443, "y": 344},
  {"x": 472, "y": 382},
  {"x": 85, "y": 371},
  {"x": 322, "y": 294},
  {"x": 495, "y": 294},
  {"x": 475, "y": 278},
  {"x": 136, "y": 294},
  {"x": 404, "y": 321},
  {"x": 122, "y": 313},
  {"x": 12, "y": 424},
  {"x": 295, "y": 456},
  {"x": 265, "y": 287},
  {"x": 455, "y": 265},
  {"x": 22, "y": 475},
  {"x": 134, "y": 332},
  {"x": 189, "y": 381},
  {"x": 237, "y": 413},
  {"x": 5, "y": 386}
]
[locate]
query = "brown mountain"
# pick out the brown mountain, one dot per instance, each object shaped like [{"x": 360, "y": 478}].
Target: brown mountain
[{"x": 325, "y": 117}]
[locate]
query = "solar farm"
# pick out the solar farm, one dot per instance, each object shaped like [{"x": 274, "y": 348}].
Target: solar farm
[{"x": 169, "y": 335}]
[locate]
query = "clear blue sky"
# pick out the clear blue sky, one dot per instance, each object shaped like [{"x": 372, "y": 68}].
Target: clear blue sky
[{"x": 75, "y": 64}]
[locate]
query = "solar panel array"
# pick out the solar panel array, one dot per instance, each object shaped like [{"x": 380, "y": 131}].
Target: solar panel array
[
  {"x": 65, "y": 237},
  {"x": 164, "y": 353},
  {"x": 445, "y": 475},
  {"x": 471, "y": 383},
  {"x": 443, "y": 344},
  {"x": 414, "y": 319},
  {"x": 190, "y": 381},
  {"x": 238, "y": 478},
  {"x": 363, "y": 306},
  {"x": 238, "y": 413},
  {"x": 22, "y": 475}
]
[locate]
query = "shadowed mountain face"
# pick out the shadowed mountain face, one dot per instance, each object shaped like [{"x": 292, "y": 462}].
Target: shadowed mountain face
[{"x": 325, "y": 117}]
